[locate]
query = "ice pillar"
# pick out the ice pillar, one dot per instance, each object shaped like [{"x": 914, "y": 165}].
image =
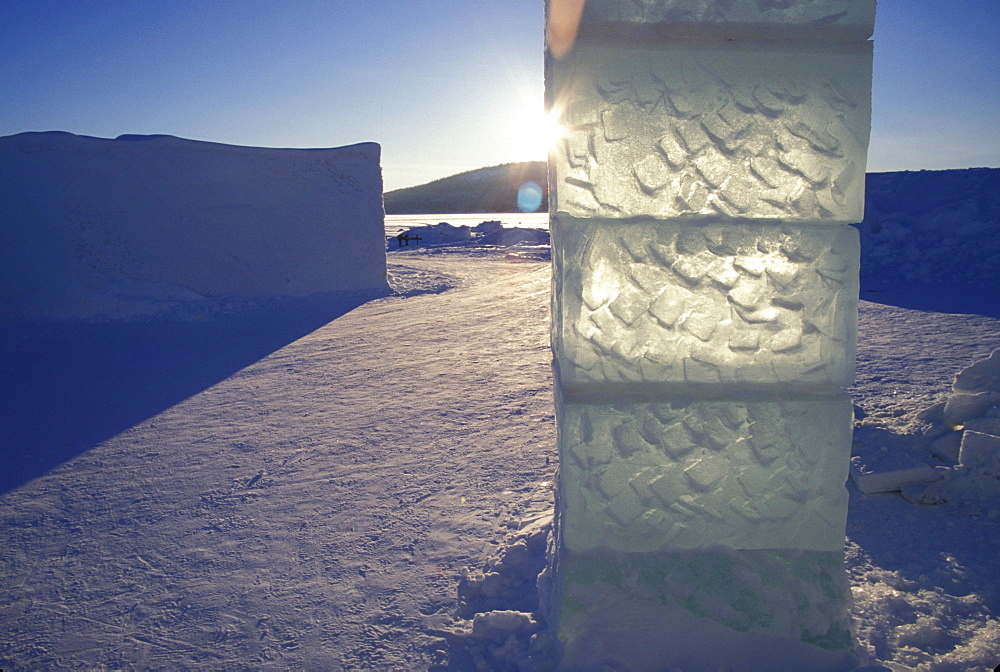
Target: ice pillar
[{"x": 704, "y": 322}]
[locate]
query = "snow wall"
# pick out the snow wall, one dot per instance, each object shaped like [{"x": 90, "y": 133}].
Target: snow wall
[{"x": 98, "y": 228}]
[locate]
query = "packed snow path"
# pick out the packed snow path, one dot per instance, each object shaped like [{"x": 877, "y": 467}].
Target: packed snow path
[
  {"x": 314, "y": 510},
  {"x": 308, "y": 511}
]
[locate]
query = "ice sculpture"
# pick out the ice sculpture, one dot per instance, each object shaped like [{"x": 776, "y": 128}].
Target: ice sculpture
[{"x": 704, "y": 326}]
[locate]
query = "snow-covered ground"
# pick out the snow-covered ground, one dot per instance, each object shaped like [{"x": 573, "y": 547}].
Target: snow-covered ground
[
  {"x": 279, "y": 481},
  {"x": 298, "y": 485},
  {"x": 308, "y": 502}
]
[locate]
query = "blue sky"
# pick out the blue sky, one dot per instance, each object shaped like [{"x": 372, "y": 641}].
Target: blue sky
[{"x": 443, "y": 85}]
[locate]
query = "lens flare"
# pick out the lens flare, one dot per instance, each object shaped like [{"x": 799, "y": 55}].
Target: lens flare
[
  {"x": 563, "y": 22},
  {"x": 529, "y": 197}
]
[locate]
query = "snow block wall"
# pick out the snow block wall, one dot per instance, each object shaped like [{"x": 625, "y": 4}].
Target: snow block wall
[
  {"x": 91, "y": 227},
  {"x": 705, "y": 288}
]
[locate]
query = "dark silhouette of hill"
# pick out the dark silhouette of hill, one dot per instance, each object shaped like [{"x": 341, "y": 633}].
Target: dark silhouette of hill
[{"x": 492, "y": 189}]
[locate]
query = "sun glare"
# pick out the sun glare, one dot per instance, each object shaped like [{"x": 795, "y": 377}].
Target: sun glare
[{"x": 536, "y": 132}]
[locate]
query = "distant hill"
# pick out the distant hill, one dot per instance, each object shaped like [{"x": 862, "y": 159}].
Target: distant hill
[{"x": 492, "y": 189}]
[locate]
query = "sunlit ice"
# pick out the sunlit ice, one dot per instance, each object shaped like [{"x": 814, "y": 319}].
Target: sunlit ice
[{"x": 535, "y": 131}]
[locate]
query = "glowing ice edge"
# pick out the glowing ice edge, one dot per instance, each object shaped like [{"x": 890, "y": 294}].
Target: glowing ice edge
[{"x": 704, "y": 325}]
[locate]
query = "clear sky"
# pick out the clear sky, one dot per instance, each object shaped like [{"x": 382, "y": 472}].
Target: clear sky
[{"x": 443, "y": 85}]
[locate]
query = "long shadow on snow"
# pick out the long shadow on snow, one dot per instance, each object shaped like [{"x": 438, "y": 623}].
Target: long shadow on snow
[
  {"x": 67, "y": 387},
  {"x": 949, "y": 546}
]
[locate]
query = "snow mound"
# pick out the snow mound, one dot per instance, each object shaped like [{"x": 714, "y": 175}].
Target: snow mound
[
  {"x": 433, "y": 234},
  {"x": 499, "y": 624},
  {"x": 408, "y": 281},
  {"x": 488, "y": 233},
  {"x": 488, "y": 226},
  {"x": 97, "y": 228},
  {"x": 515, "y": 236}
]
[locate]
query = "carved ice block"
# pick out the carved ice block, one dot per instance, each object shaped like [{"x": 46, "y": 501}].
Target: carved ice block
[
  {"x": 743, "y": 304},
  {"x": 640, "y": 476},
  {"x": 704, "y": 324},
  {"x": 801, "y": 19},
  {"x": 727, "y": 130},
  {"x": 720, "y": 609}
]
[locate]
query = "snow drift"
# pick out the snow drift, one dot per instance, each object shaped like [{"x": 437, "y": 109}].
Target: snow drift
[{"x": 91, "y": 227}]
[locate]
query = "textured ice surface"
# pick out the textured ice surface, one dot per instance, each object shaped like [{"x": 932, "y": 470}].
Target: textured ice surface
[
  {"x": 705, "y": 303},
  {"x": 658, "y": 475},
  {"x": 829, "y": 19},
  {"x": 706, "y": 610},
  {"x": 730, "y": 130},
  {"x": 705, "y": 284}
]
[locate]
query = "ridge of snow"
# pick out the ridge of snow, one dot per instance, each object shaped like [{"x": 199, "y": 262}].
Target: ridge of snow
[{"x": 97, "y": 228}]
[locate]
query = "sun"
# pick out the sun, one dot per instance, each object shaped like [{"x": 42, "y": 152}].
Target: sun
[{"x": 536, "y": 131}]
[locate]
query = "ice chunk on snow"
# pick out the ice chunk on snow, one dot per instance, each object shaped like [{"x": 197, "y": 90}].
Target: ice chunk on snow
[
  {"x": 975, "y": 390},
  {"x": 946, "y": 447},
  {"x": 962, "y": 407},
  {"x": 980, "y": 453},
  {"x": 984, "y": 425},
  {"x": 981, "y": 377},
  {"x": 887, "y": 471}
]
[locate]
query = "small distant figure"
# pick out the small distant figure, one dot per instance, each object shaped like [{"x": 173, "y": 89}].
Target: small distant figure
[{"x": 403, "y": 239}]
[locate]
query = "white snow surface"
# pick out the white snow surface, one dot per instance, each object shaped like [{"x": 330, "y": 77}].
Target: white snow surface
[
  {"x": 314, "y": 483},
  {"x": 101, "y": 228}
]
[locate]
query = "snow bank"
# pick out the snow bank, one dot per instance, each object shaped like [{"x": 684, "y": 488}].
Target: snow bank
[
  {"x": 103, "y": 228},
  {"x": 516, "y": 236},
  {"x": 490, "y": 232},
  {"x": 442, "y": 233},
  {"x": 931, "y": 227},
  {"x": 501, "y": 622}
]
